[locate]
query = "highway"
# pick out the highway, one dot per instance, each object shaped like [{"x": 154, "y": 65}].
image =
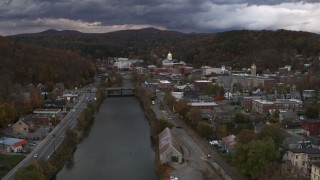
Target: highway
[{"x": 53, "y": 140}]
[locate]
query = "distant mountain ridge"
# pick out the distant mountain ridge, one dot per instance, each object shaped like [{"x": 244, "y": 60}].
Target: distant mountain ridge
[{"x": 237, "y": 48}]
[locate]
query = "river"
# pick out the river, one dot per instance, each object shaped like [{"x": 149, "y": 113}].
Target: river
[{"x": 118, "y": 146}]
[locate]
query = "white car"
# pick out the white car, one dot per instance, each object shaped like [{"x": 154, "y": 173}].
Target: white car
[
  {"x": 35, "y": 155},
  {"x": 173, "y": 178},
  {"x": 214, "y": 143}
]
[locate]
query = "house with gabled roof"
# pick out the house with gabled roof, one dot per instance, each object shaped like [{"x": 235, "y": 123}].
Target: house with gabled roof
[
  {"x": 169, "y": 148},
  {"x": 184, "y": 87},
  {"x": 23, "y": 125},
  {"x": 229, "y": 143}
]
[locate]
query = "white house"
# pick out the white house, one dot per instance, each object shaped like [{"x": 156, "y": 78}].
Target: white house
[{"x": 303, "y": 158}]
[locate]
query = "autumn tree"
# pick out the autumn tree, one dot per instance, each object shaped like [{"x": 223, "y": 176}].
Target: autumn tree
[
  {"x": 222, "y": 131},
  {"x": 182, "y": 107},
  {"x": 150, "y": 95},
  {"x": 245, "y": 136},
  {"x": 7, "y": 113},
  {"x": 32, "y": 172},
  {"x": 195, "y": 115},
  {"x": 36, "y": 98}
]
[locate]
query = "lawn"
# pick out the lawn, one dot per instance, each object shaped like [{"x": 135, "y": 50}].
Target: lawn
[{"x": 8, "y": 162}]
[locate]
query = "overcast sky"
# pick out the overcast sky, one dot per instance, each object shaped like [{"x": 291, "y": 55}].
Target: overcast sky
[{"x": 25, "y": 16}]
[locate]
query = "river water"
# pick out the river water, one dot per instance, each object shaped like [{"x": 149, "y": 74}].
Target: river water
[{"x": 118, "y": 146}]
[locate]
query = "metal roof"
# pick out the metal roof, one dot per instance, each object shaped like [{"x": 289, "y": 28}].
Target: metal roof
[
  {"x": 168, "y": 140},
  {"x": 12, "y": 141}
]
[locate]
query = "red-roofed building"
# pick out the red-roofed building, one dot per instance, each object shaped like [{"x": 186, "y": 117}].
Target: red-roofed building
[
  {"x": 313, "y": 127},
  {"x": 170, "y": 150},
  {"x": 229, "y": 142},
  {"x": 12, "y": 144}
]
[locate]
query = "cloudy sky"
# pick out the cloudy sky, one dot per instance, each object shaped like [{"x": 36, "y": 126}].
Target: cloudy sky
[{"x": 25, "y": 16}]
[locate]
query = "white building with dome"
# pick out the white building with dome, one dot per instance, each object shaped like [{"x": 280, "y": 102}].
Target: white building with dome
[{"x": 170, "y": 62}]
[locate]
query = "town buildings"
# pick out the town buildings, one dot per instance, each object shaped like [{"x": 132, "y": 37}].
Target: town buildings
[{"x": 303, "y": 158}]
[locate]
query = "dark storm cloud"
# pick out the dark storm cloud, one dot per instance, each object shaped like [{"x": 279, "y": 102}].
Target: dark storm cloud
[{"x": 183, "y": 15}]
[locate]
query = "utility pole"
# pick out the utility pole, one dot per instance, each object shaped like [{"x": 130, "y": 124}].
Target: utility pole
[{"x": 54, "y": 144}]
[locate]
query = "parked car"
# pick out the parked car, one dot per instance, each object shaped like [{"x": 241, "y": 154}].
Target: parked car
[
  {"x": 32, "y": 143},
  {"x": 173, "y": 178},
  {"x": 215, "y": 143}
]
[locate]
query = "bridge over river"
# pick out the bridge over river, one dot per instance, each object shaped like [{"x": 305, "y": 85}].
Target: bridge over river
[{"x": 120, "y": 91}]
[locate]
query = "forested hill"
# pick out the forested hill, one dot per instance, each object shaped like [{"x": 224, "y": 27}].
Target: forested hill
[
  {"x": 267, "y": 49},
  {"x": 133, "y": 43},
  {"x": 25, "y": 63},
  {"x": 241, "y": 48}
]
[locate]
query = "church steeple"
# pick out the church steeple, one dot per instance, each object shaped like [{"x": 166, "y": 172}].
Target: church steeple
[{"x": 253, "y": 70}]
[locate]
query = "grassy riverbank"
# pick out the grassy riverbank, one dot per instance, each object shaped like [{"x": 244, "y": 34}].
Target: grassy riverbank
[
  {"x": 156, "y": 125},
  {"x": 9, "y": 161}
]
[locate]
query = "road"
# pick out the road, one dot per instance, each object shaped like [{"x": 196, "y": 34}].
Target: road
[
  {"x": 53, "y": 140},
  {"x": 196, "y": 149},
  {"x": 195, "y": 164}
]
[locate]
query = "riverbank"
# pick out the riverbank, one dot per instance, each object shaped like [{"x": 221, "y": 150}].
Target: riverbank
[
  {"x": 156, "y": 126},
  {"x": 47, "y": 169}
]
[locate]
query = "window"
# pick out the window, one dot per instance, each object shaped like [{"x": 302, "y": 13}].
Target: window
[
  {"x": 20, "y": 123},
  {"x": 296, "y": 156}
]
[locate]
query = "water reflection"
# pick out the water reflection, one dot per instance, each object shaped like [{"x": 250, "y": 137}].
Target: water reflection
[{"x": 117, "y": 147}]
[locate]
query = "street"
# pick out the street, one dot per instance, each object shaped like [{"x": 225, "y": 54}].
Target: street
[
  {"x": 195, "y": 164},
  {"x": 48, "y": 145}
]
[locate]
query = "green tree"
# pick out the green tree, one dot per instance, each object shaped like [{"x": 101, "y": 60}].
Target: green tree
[
  {"x": 241, "y": 118},
  {"x": 205, "y": 130},
  {"x": 273, "y": 131},
  {"x": 161, "y": 124},
  {"x": 312, "y": 111},
  {"x": 212, "y": 89},
  {"x": 169, "y": 99},
  {"x": 250, "y": 159},
  {"x": 195, "y": 115}
]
